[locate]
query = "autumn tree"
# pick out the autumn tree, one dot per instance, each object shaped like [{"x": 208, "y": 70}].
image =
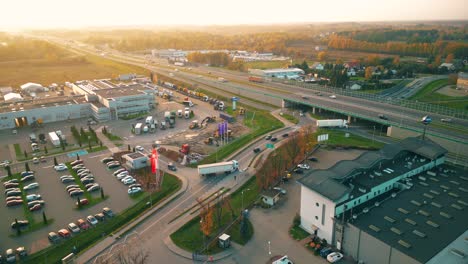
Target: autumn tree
[
  {"x": 452, "y": 79},
  {"x": 322, "y": 56},
  {"x": 206, "y": 217},
  {"x": 368, "y": 73},
  {"x": 449, "y": 58},
  {"x": 396, "y": 61}
]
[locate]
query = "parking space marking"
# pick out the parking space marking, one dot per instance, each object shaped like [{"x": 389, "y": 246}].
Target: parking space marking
[
  {"x": 103, "y": 154},
  {"x": 48, "y": 167}
]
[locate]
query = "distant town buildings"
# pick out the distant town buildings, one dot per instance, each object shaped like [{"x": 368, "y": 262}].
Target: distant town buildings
[
  {"x": 462, "y": 81},
  {"x": 288, "y": 73}
]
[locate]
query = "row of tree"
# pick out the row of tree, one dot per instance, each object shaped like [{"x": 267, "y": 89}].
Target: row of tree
[{"x": 458, "y": 49}]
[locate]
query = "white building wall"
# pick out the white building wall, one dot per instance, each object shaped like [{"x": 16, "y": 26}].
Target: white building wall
[{"x": 321, "y": 216}]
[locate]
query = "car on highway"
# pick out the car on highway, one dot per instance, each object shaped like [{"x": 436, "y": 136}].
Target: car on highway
[
  {"x": 285, "y": 135},
  {"x": 33, "y": 197},
  {"x": 53, "y": 237},
  {"x": 19, "y": 224},
  {"x": 446, "y": 120},
  {"x": 35, "y": 207},
  {"x": 82, "y": 224},
  {"x": 268, "y": 137},
  {"x": 332, "y": 96},
  {"x": 134, "y": 190},
  {"x": 257, "y": 150},
  {"x": 73, "y": 228},
  {"x": 31, "y": 186},
  {"x": 108, "y": 212},
  {"x": 128, "y": 181},
  {"x": 60, "y": 167},
  {"x": 273, "y": 139},
  {"x": 303, "y": 166},
  {"x": 27, "y": 178},
  {"x": 140, "y": 148},
  {"x": 107, "y": 159},
  {"x": 383, "y": 117},
  {"x": 64, "y": 233},
  {"x": 334, "y": 257},
  {"x": 92, "y": 220}
]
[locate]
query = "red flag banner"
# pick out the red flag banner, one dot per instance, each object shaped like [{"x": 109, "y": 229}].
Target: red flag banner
[{"x": 154, "y": 161}]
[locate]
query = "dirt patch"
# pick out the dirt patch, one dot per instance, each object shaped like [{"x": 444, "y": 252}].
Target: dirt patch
[
  {"x": 170, "y": 154},
  {"x": 450, "y": 90}
]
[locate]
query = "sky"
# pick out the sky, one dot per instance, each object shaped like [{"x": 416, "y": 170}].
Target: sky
[{"x": 101, "y": 13}]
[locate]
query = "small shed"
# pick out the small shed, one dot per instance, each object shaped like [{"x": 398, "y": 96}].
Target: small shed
[
  {"x": 136, "y": 160},
  {"x": 224, "y": 241},
  {"x": 271, "y": 197},
  {"x": 12, "y": 97}
]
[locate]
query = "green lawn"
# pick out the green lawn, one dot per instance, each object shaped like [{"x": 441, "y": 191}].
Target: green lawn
[
  {"x": 82, "y": 241},
  {"x": 429, "y": 94},
  {"x": 18, "y": 151},
  {"x": 189, "y": 236},
  {"x": 112, "y": 137},
  {"x": 429, "y": 89},
  {"x": 298, "y": 233},
  {"x": 266, "y": 64},
  {"x": 338, "y": 138},
  {"x": 92, "y": 200},
  {"x": 290, "y": 118}
]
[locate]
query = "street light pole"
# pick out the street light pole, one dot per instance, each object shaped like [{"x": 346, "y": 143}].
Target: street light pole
[
  {"x": 242, "y": 194},
  {"x": 203, "y": 235},
  {"x": 269, "y": 248}
]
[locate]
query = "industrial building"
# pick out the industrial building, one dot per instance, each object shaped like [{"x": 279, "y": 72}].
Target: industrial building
[
  {"x": 100, "y": 99},
  {"x": 462, "y": 81},
  {"x": 289, "y": 73},
  {"x": 136, "y": 160},
  {"x": 396, "y": 205}
]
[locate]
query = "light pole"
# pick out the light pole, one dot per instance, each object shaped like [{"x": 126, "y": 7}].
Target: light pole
[
  {"x": 269, "y": 248},
  {"x": 426, "y": 120},
  {"x": 203, "y": 235},
  {"x": 242, "y": 193},
  {"x": 373, "y": 135}
]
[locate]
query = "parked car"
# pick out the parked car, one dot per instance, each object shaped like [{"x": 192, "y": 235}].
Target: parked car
[
  {"x": 382, "y": 116},
  {"x": 82, "y": 170},
  {"x": 73, "y": 228},
  {"x": 334, "y": 257},
  {"x": 94, "y": 188},
  {"x": 35, "y": 160},
  {"x": 135, "y": 185},
  {"x": 33, "y": 197},
  {"x": 64, "y": 233},
  {"x": 303, "y": 166},
  {"x": 10, "y": 256},
  {"x": 113, "y": 166},
  {"x": 60, "y": 167},
  {"x": 257, "y": 150},
  {"x": 76, "y": 193},
  {"x": 71, "y": 187},
  {"x": 32, "y": 203},
  {"x": 332, "y": 96},
  {"x": 28, "y": 178},
  {"x": 36, "y": 207},
  {"x": 92, "y": 220},
  {"x": 118, "y": 171},
  {"x": 76, "y": 162},
  {"x": 19, "y": 224},
  {"x": 79, "y": 166},
  {"x": 26, "y": 173},
  {"x": 313, "y": 159},
  {"x": 83, "y": 201},
  {"x": 67, "y": 179},
  {"x": 53, "y": 237},
  {"x": 13, "y": 193},
  {"x": 171, "y": 166},
  {"x": 31, "y": 186},
  {"x": 100, "y": 216},
  {"x": 324, "y": 252},
  {"x": 134, "y": 190},
  {"x": 82, "y": 224},
  {"x": 298, "y": 171},
  {"x": 14, "y": 202},
  {"x": 129, "y": 181},
  {"x": 12, "y": 189},
  {"x": 112, "y": 162},
  {"x": 11, "y": 198},
  {"x": 89, "y": 185},
  {"x": 11, "y": 181},
  {"x": 107, "y": 159},
  {"x": 22, "y": 252},
  {"x": 283, "y": 191},
  {"x": 87, "y": 180},
  {"x": 120, "y": 176},
  {"x": 11, "y": 185},
  {"x": 108, "y": 212},
  {"x": 126, "y": 177},
  {"x": 446, "y": 120},
  {"x": 43, "y": 159},
  {"x": 74, "y": 189}
]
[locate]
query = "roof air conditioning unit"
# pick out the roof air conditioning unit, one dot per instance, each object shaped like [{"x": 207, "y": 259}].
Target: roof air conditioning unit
[
  {"x": 365, "y": 210},
  {"x": 354, "y": 216},
  {"x": 394, "y": 195},
  {"x": 377, "y": 204}
]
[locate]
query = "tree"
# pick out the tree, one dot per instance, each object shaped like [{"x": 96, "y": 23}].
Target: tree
[
  {"x": 78, "y": 202},
  {"x": 104, "y": 130},
  {"x": 206, "y": 217},
  {"x": 449, "y": 58},
  {"x": 8, "y": 169},
  {"x": 41, "y": 137},
  {"x": 322, "y": 56},
  {"x": 25, "y": 154},
  {"x": 437, "y": 61},
  {"x": 44, "y": 218},
  {"x": 452, "y": 79},
  {"x": 77, "y": 157},
  {"x": 396, "y": 61},
  {"x": 79, "y": 142},
  {"x": 102, "y": 193},
  {"x": 45, "y": 150},
  {"x": 55, "y": 161},
  {"x": 100, "y": 143},
  {"x": 129, "y": 148},
  {"x": 368, "y": 74},
  {"x": 26, "y": 166}
]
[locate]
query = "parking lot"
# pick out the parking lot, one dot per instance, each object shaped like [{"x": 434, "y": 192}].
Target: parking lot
[{"x": 59, "y": 205}]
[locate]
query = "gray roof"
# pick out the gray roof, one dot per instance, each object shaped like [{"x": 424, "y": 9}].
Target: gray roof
[
  {"x": 440, "y": 199},
  {"x": 329, "y": 182}
]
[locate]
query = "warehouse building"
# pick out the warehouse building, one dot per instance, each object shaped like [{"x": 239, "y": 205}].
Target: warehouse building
[
  {"x": 397, "y": 205},
  {"x": 289, "y": 73}
]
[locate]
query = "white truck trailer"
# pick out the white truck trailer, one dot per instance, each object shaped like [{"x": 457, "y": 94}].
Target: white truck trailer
[
  {"x": 149, "y": 120},
  {"x": 332, "y": 123},
  {"x": 220, "y": 167},
  {"x": 138, "y": 128},
  {"x": 54, "y": 139}
]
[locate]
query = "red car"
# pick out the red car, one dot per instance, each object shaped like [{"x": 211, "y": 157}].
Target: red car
[
  {"x": 64, "y": 233},
  {"x": 83, "y": 201},
  {"x": 14, "y": 202},
  {"x": 82, "y": 224},
  {"x": 35, "y": 207}
]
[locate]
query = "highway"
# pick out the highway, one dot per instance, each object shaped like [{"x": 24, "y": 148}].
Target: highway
[{"x": 274, "y": 93}]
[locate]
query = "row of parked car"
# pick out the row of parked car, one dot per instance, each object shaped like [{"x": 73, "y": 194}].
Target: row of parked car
[
  {"x": 13, "y": 192},
  {"x": 124, "y": 176},
  {"x": 80, "y": 225},
  {"x": 86, "y": 178},
  {"x": 10, "y": 255},
  {"x": 110, "y": 162}
]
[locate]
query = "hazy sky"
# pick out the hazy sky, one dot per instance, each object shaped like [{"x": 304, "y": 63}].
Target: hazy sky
[{"x": 80, "y": 13}]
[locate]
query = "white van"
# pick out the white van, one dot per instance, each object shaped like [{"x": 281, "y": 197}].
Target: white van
[{"x": 179, "y": 113}]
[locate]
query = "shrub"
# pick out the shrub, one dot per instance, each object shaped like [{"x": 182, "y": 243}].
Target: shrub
[{"x": 297, "y": 220}]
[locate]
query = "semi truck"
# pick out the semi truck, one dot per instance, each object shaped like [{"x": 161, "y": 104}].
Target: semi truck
[
  {"x": 149, "y": 120},
  {"x": 138, "y": 128},
  {"x": 167, "y": 115},
  {"x": 332, "y": 123},
  {"x": 54, "y": 139},
  {"x": 220, "y": 167}
]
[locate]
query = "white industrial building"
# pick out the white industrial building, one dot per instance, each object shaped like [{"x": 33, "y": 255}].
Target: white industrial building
[
  {"x": 12, "y": 97},
  {"x": 32, "y": 87},
  {"x": 397, "y": 205},
  {"x": 289, "y": 73}
]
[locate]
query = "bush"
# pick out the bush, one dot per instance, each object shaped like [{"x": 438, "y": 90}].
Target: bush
[{"x": 297, "y": 220}]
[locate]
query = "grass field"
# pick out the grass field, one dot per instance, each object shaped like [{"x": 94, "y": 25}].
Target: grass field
[
  {"x": 266, "y": 64},
  {"x": 71, "y": 68},
  {"x": 429, "y": 95},
  {"x": 290, "y": 118},
  {"x": 429, "y": 90},
  {"x": 338, "y": 138}
]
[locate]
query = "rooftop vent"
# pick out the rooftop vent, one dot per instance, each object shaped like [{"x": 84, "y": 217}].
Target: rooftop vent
[
  {"x": 433, "y": 224},
  {"x": 462, "y": 202},
  {"x": 422, "y": 178},
  {"x": 433, "y": 179},
  {"x": 424, "y": 213},
  {"x": 404, "y": 243},
  {"x": 396, "y": 231},
  {"x": 457, "y": 253},
  {"x": 444, "y": 214},
  {"x": 436, "y": 204},
  {"x": 463, "y": 189},
  {"x": 455, "y": 182},
  {"x": 453, "y": 194},
  {"x": 394, "y": 195},
  {"x": 434, "y": 192},
  {"x": 377, "y": 204},
  {"x": 456, "y": 206},
  {"x": 373, "y": 227},
  {"x": 419, "y": 234},
  {"x": 445, "y": 187},
  {"x": 464, "y": 178},
  {"x": 401, "y": 210},
  {"x": 391, "y": 220},
  {"x": 416, "y": 203},
  {"x": 409, "y": 221},
  {"x": 428, "y": 196},
  {"x": 365, "y": 210},
  {"x": 423, "y": 184}
]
